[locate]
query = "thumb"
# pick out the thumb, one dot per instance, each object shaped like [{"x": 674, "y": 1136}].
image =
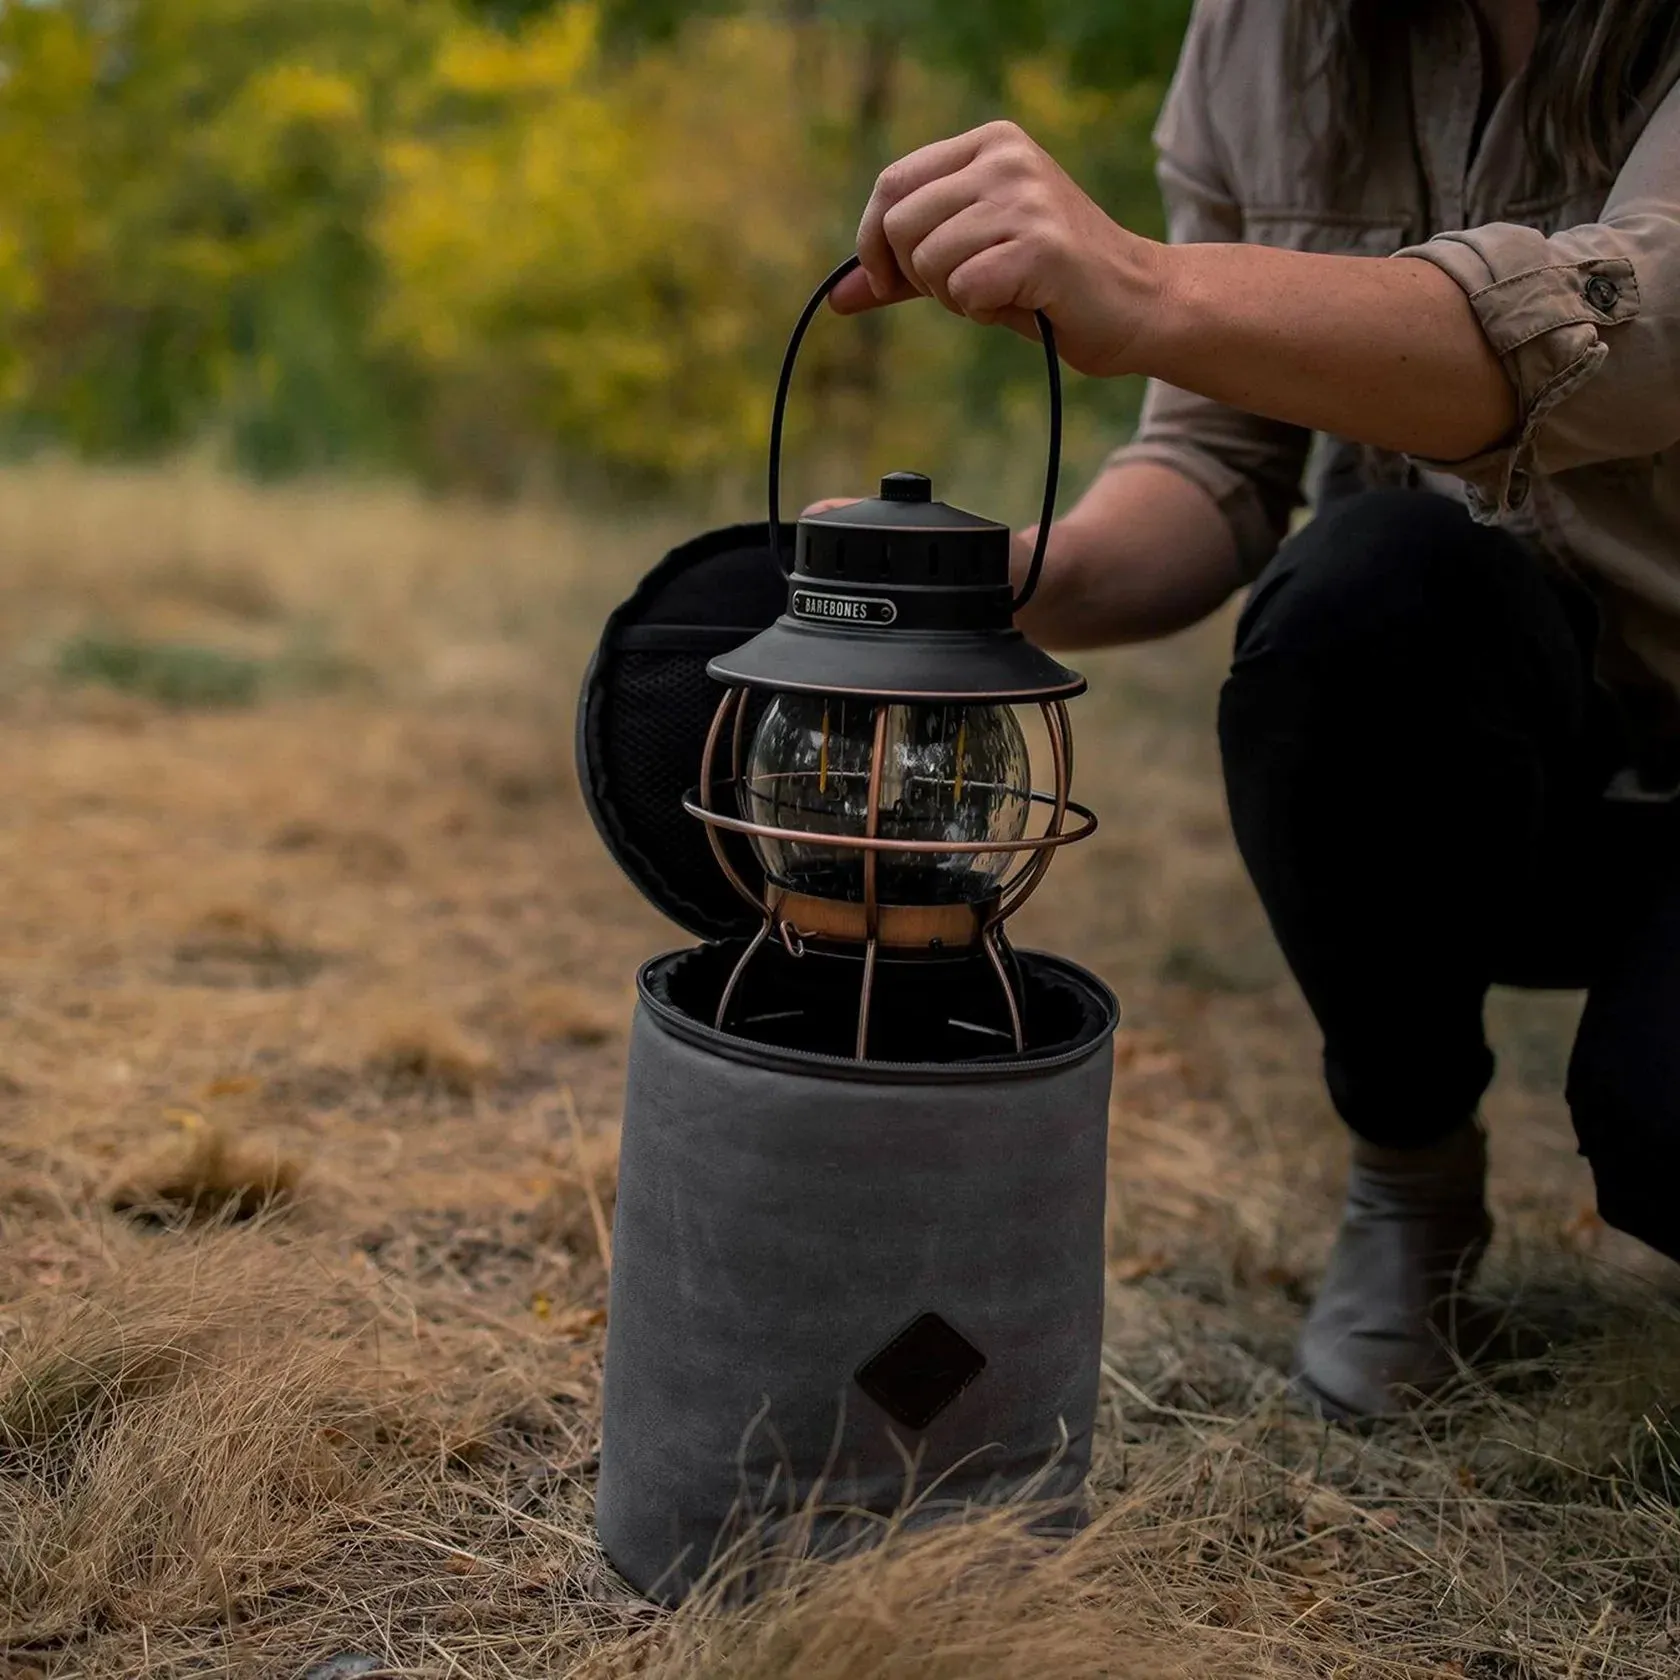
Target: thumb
[
  {"x": 829, "y": 504},
  {"x": 856, "y": 294}
]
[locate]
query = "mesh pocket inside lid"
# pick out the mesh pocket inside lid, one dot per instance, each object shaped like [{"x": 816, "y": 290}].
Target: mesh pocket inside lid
[{"x": 645, "y": 709}]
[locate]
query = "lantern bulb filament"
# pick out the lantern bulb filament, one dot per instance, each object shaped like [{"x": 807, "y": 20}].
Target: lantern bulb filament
[{"x": 947, "y": 774}]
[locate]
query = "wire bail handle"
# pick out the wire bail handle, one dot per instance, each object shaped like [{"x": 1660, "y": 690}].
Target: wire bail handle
[{"x": 1053, "y": 364}]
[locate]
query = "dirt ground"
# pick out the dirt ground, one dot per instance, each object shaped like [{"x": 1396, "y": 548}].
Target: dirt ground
[{"x": 313, "y": 994}]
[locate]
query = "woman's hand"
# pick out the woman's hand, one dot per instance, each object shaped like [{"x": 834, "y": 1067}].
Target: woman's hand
[
  {"x": 992, "y": 226},
  {"x": 1377, "y": 350}
]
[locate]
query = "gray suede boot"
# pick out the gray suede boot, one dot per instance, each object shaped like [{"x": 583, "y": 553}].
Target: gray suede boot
[{"x": 1388, "y": 1325}]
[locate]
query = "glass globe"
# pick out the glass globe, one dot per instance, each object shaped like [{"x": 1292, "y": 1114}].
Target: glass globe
[{"x": 949, "y": 772}]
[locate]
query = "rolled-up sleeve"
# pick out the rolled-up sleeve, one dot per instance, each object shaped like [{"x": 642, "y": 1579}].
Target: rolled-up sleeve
[
  {"x": 1250, "y": 466},
  {"x": 1586, "y": 323}
]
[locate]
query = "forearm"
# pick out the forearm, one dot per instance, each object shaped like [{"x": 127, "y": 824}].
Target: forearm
[
  {"x": 1384, "y": 351},
  {"x": 1144, "y": 553}
]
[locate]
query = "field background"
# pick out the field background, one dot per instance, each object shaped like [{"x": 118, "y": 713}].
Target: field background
[{"x": 357, "y": 359}]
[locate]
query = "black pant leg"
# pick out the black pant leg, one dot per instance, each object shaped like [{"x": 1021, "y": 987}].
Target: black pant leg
[
  {"x": 1404, "y": 728},
  {"x": 1624, "y": 1077}
]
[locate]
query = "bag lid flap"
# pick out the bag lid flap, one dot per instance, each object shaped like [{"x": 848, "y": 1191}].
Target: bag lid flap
[{"x": 643, "y": 715}]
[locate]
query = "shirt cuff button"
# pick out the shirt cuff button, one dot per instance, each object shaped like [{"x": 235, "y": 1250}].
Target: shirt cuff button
[{"x": 1603, "y": 294}]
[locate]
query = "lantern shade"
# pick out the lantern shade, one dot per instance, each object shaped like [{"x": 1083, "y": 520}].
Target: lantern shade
[
  {"x": 994, "y": 667},
  {"x": 900, "y": 597}
]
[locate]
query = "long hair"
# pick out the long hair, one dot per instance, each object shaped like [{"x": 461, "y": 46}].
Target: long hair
[{"x": 1592, "y": 64}]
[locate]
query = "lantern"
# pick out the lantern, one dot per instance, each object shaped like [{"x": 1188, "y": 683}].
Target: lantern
[{"x": 858, "y": 1251}]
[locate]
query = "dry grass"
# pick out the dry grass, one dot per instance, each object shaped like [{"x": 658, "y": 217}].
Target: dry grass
[
  {"x": 311, "y": 1038},
  {"x": 171, "y": 1447},
  {"x": 436, "y": 1053},
  {"x": 211, "y": 1175}
]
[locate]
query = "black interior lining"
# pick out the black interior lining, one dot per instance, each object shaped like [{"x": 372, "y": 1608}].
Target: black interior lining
[
  {"x": 646, "y": 707},
  {"x": 941, "y": 1013}
]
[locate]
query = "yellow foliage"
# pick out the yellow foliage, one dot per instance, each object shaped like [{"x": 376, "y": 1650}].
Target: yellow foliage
[
  {"x": 385, "y": 228},
  {"x": 557, "y": 53},
  {"x": 580, "y": 243},
  {"x": 43, "y": 220}
]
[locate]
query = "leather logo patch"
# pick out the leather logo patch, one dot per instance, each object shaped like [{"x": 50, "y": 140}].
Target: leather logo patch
[{"x": 920, "y": 1371}]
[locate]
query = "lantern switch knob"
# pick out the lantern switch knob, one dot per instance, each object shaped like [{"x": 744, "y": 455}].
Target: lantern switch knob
[{"x": 906, "y": 487}]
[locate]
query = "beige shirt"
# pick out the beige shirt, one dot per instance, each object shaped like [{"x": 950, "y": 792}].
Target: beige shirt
[{"x": 1580, "y": 296}]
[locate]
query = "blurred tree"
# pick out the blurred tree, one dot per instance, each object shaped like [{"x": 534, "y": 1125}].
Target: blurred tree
[
  {"x": 481, "y": 238},
  {"x": 1084, "y": 76},
  {"x": 1102, "y": 42},
  {"x": 198, "y": 244},
  {"x": 592, "y": 260}
]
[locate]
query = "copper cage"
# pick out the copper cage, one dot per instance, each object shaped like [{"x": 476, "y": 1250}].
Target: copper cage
[{"x": 800, "y": 920}]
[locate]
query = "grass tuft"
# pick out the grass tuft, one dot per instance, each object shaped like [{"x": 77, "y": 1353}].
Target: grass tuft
[
  {"x": 433, "y": 1052},
  {"x": 236, "y": 945},
  {"x": 212, "y": 1176},
  {"x": 172, "y": 1444},
  {"x": 174, "y": 674},
  {"x": 569, "y": 1014}
]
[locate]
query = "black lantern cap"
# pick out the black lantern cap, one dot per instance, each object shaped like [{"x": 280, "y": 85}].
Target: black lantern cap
[{"x": 900, "y": 597}]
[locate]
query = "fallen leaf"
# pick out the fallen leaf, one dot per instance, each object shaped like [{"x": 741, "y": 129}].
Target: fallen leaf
[
  {"x": 230, "y": 1085},
  {"x": 581, "y": 1319},
  {"x": 1135, "y": 1267}
]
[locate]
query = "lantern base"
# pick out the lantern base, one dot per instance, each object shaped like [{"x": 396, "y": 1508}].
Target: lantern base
[
  {"x": 933, "y": 929},
  {"x": 849, "y": 1295}
]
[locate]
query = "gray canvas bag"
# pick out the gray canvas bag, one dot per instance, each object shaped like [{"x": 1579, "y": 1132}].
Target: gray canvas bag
[{"x": 841, "y": 1290}]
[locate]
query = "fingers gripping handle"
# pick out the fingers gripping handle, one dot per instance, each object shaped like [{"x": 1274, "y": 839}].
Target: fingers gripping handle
[{"x": 778, "y": 415}]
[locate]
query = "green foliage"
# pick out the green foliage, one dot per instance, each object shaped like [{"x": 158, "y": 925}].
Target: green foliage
[
  {"x": 177, "y": 674},
  {"x": 1108, "y": 43},
  {"x": 191, "y": 675},
  {"x": 1102, "y": 42},
  {"x": 201, "y": 256},
  {"x": 483, "y": 239}
]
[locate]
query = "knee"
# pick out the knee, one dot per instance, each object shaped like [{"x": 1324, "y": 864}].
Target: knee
[{"x": 1387, "y": 572}]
